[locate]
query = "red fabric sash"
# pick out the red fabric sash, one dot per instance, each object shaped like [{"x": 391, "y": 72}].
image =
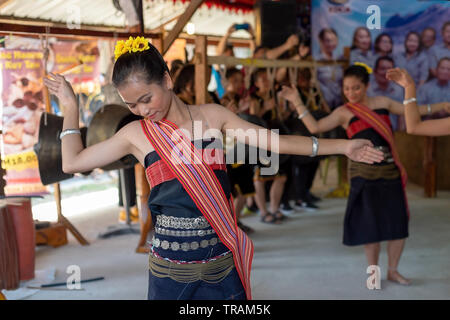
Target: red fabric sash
[
  {"x": 382, "y": 127},
  {"x": 360, "y": 125},
  {"x": 202, "y": 185}
]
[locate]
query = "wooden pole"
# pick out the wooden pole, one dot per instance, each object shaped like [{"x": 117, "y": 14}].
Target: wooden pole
[
  {"x": 201, "y": 67},
  {"x": 266, "y": 63},
  {"x": 186, "y": 16},
  {"x": 430, "y": 167}
]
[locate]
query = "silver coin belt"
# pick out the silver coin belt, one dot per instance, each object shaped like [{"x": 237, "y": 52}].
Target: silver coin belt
[
  {"x": 185, "y": 246},
  {"x": 181, "y": 223},
  {"x": 184, "y": 233}
]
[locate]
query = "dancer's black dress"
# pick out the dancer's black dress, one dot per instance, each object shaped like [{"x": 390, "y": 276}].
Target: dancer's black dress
[{"x": 376, "y": 208}]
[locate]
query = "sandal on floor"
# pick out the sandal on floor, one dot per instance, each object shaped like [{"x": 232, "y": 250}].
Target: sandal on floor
[
  {"x": 270, "y": 219},
  {"x": 279, "y": 215}
]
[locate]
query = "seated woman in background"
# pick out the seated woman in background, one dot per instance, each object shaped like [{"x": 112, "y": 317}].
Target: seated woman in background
[
  {"x": 330, "y": 77},
  {"x": 413, "y": 59},
  {"x": 361, "y": 50},
  {"x": 383, "y": 46}
]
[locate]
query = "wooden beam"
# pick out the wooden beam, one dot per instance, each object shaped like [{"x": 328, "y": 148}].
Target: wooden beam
[
  {"x": 264, "y": 63},
  {"x": 201, "y": 66},
  {"x": 4, "y": 3},
  {"x": 187, "y": 15},
  {"x": 214, "y": 40},
  {"x": 156, "y": 30},
  {"x": 36, "y": 30},
  {"x": 50, "y": 23}
]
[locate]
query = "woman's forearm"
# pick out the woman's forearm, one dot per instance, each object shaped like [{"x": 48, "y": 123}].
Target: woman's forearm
[
  {"x": 310, "y": 122},
  {"x": 427, "y": 109},
  {"x": 71, "y": 144},
  {"x": 300, "y": 145},
  {"x": 412, "y": 114}
]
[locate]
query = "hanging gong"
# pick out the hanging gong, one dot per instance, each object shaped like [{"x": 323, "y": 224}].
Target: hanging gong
[
  {"x": 48, "y": 149},
  {"x": 104, "y": 124}
]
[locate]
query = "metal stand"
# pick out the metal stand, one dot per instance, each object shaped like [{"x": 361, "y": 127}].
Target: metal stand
[{"x": 119, "y": 229}]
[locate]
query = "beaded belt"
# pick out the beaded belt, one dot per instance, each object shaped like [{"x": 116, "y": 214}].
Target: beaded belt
[
  {"x": 185, "y": 246},
  {"x": 184, "y": 233},
  {"x": 370, "y": 172},
  {"x": 181, "y": 223},
  {"x": 212, "y": 272}
]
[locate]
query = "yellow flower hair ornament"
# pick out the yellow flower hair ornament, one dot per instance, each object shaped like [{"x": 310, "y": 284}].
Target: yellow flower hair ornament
[
  {"x": 361, "y": 64},
  {"x": 130, "y": 45}
]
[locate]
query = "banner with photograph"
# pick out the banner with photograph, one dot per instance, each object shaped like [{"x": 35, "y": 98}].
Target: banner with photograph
[
  {"x": 414, "y": 34},
  {"x": 79, "y": 62},
  {"x": 22, "y": 104}
]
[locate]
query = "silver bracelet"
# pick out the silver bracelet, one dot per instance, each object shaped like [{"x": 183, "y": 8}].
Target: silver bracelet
[
  {"x": 429, "y": 108},
  {"x": 405, "y": 102},
  {"x": 69, "y": 131},
  {"x": 315, "y": 146},
  {"x": 303, "y": 114}
]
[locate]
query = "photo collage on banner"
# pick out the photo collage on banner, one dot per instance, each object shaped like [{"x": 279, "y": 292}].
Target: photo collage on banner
[{"x": 23, "y": 102}]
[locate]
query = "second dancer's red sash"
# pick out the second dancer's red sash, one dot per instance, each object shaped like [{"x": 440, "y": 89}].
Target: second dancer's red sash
[
  {"x": 375, "y": 121},
  {"x": 202, "y": 185}
]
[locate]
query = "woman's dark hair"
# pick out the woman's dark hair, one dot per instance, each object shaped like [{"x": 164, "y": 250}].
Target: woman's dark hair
[
  {"x": 354, "y": 37},
  {"x": 255, "y": 76},
  {"x": 231, "y": 72},
  {"x": 305, "y": 73},
  {"x": 176, "y": 65},
  {"x": 418, "y": 38},
  {"x": 148, "y": 65},
  {"x": 378, "y": 40},
  {"x": 184, "y": 77},
  {"x": 325, "y": 30},
  {"x": 358, "y": 72}
]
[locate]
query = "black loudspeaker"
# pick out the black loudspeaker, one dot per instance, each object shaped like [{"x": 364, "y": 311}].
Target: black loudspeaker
[{"x": 275, "y": 22}]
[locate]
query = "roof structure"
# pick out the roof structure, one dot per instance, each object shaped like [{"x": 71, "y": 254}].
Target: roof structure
[{"x": 213, "y": 17}]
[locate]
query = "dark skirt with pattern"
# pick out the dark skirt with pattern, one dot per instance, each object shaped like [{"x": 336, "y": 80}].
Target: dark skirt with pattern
[
  {"x": 230, "y": 288},
  {"x": 376, "y": 211}
]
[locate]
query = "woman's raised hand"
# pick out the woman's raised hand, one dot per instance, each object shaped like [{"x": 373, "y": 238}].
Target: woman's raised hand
[
  {"x": 400, "y": 76},
  {"x": 362, "y": 150},
  {"x": 60, "y": 87},
  {"x": 291, "y": 94}
]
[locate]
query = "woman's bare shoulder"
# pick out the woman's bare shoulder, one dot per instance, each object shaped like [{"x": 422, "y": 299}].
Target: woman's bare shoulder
[
  {"x": 212, "y": 110},
  {"x": 134, "y": 134},
  {"x": 131, "y": 128}
]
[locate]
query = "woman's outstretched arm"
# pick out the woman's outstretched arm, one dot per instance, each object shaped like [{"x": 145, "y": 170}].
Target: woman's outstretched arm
[
  {"x": 254, "y": 135},
  {"x": 414, "y": 124},
  {"x": 334, "y": 120}
]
